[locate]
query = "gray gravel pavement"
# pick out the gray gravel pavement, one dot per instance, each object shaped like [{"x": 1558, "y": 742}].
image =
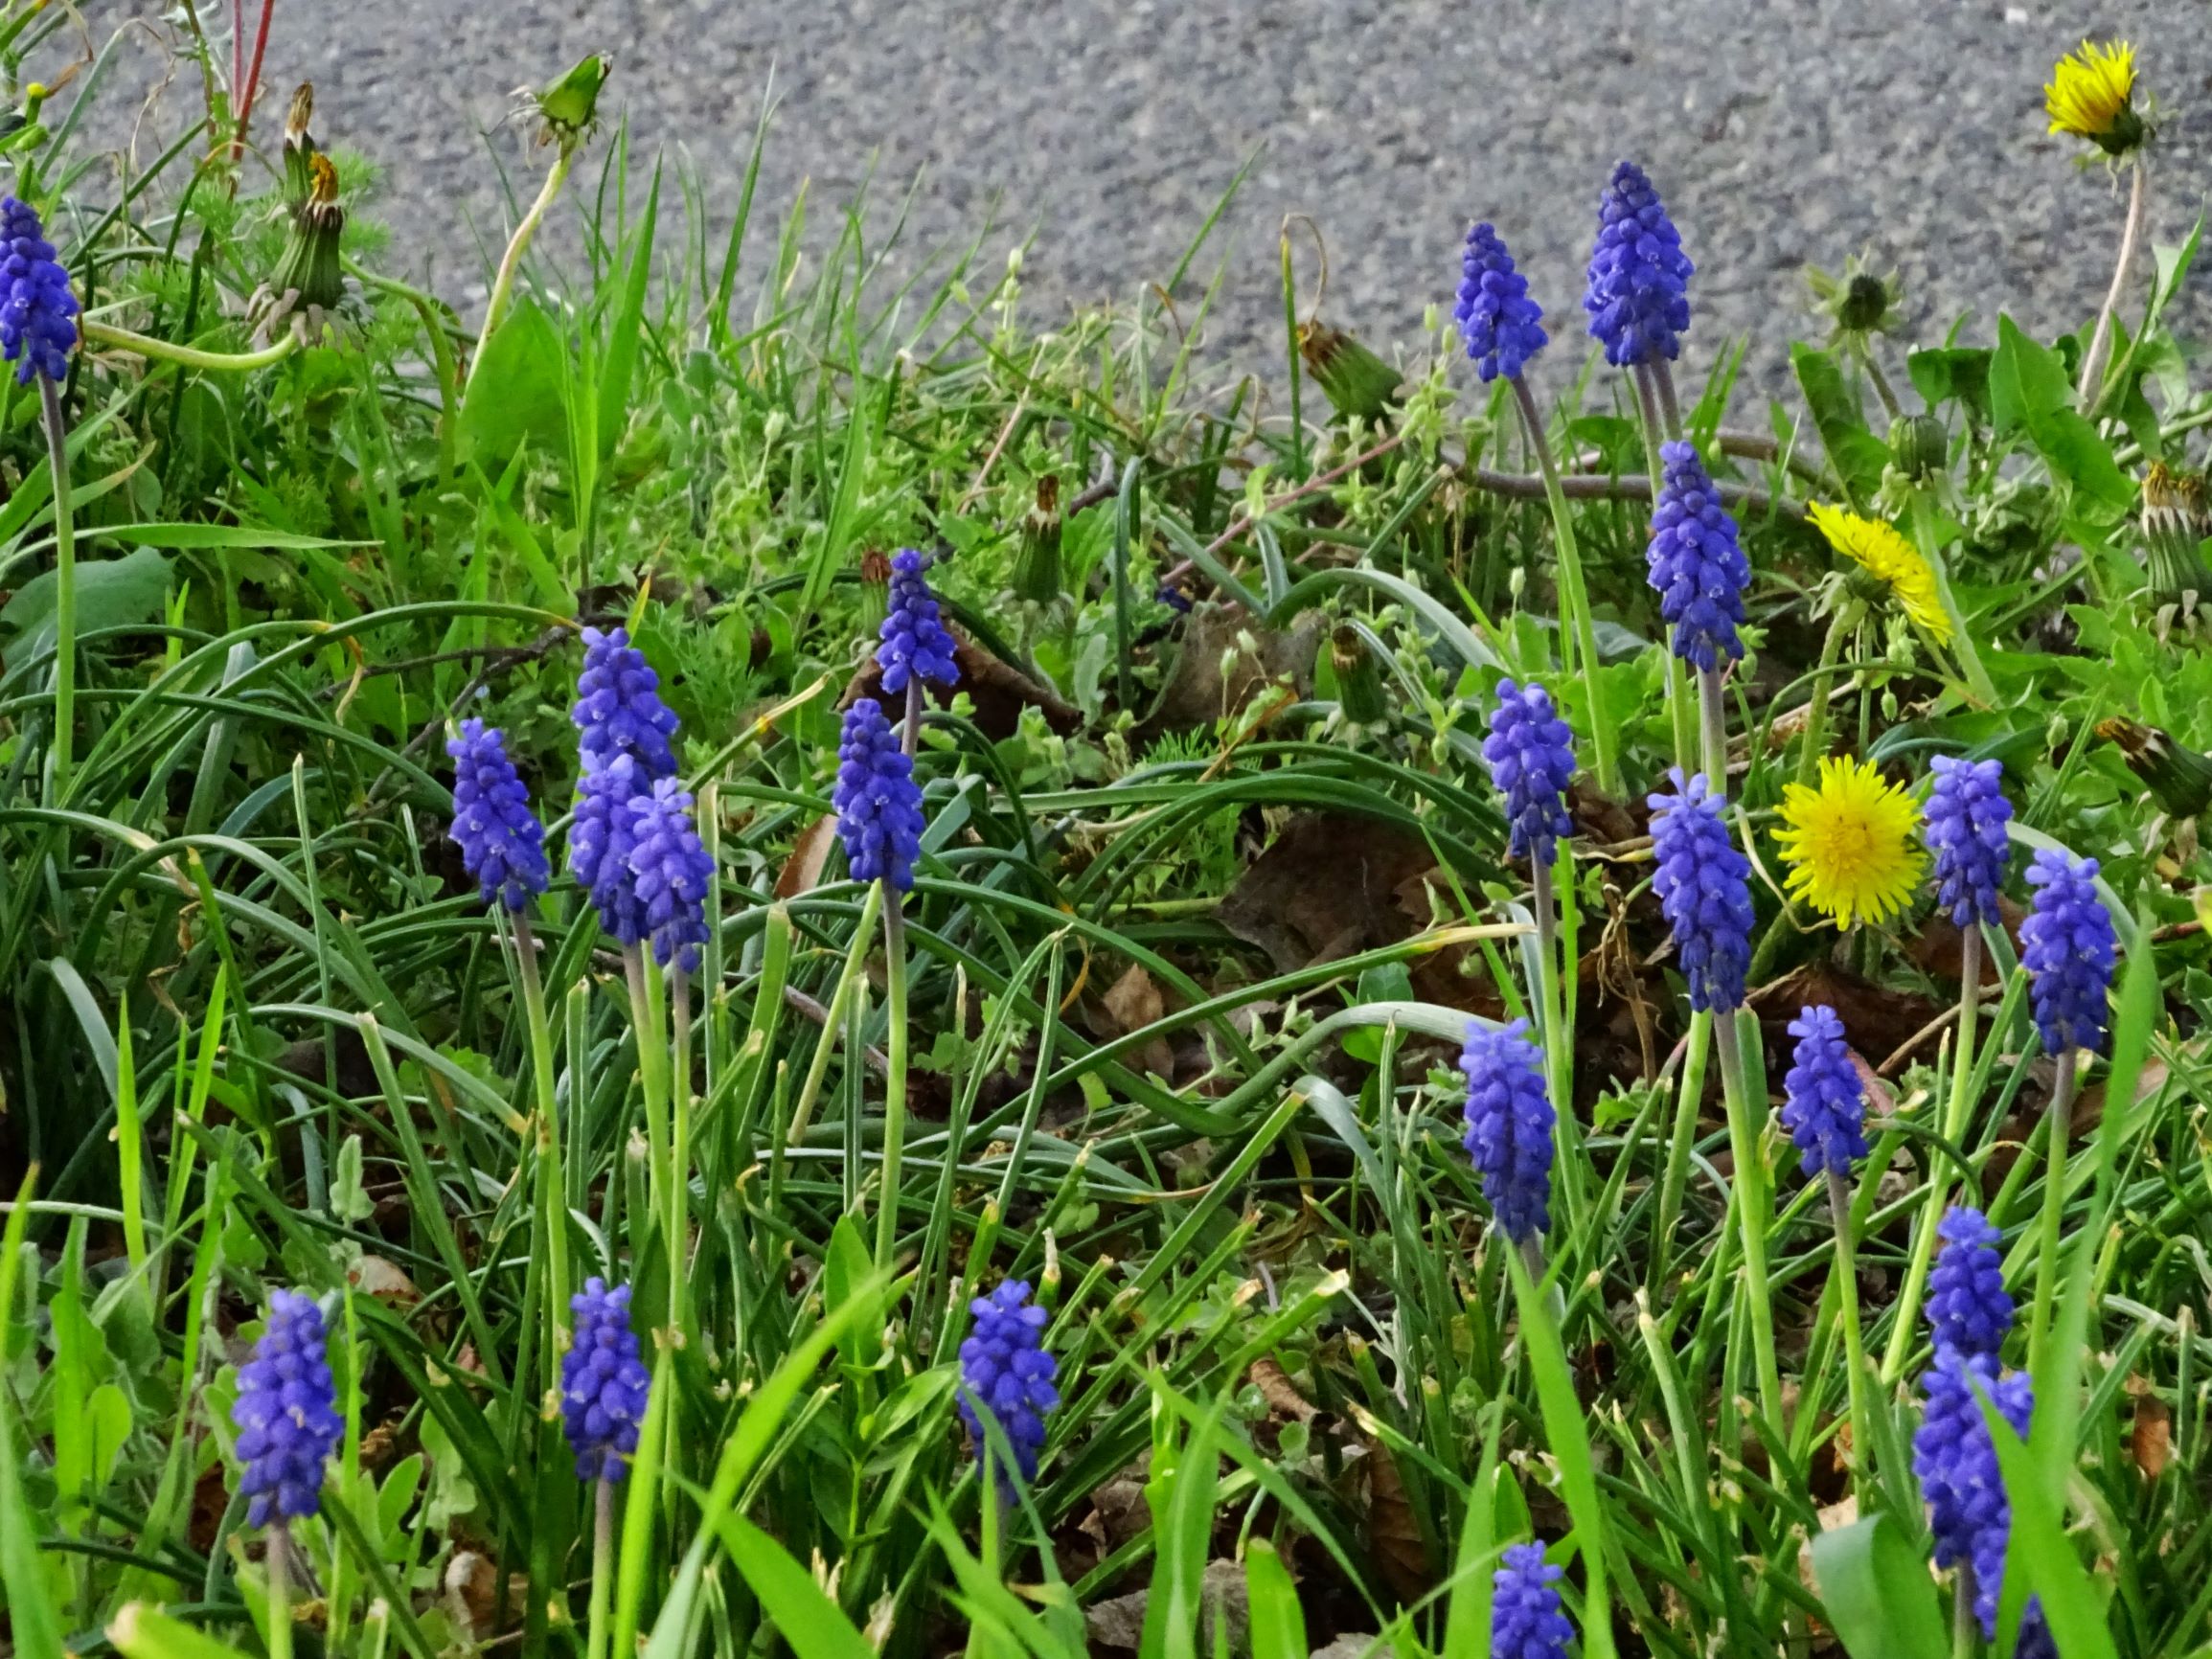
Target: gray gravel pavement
[{"x": 1781, "y": 133}]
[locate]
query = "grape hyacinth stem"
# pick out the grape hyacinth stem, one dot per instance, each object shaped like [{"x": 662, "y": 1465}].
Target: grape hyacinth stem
[
  {"x": 1574, "y": 594},
  {"x": 910, "y": 734},
  {"x": 1558, "y": 1043},
  {"x": 1958, "y": 1111},
  {"x": 1847, "y": 1305},
  {"x": 652, "y": 1078},
  {"x": 1697, "y": 1050},
  {"x": 602, "y": 1566},
  {"x": 552, "y": 1193},
  {"x": 1713, "y": 716},
  {"x": 60, "y": 752},
  {"x": 511, "y": 262},
  {"x": 2059, "y": 1123},
  {"x": 280, "y": 1565},
  {"x": 2130, "y": 237},
  {"x": 1744, "y": 1122},
  {"x": 894, "y": 1074},
  {"x": 1670, "y": 410},
  {"x": 1965, "y": 1627},
  {"x": 679, "y": 991}
]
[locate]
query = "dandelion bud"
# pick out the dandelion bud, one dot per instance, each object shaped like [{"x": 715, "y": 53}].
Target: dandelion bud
[
  {"x": 1355, "y": 382},
  {"x": 1919, "y": 445},
  {"x": 1358, "y": 677},
  {"x": 307, "y": 282},
  {"x": 569, "y": 108},
  {"x": 1036, "y": 572},
  {"x": 2175, "y": 774},
  {"x": 874, "y": 590},
  {"x": 299, "y": 147},
  {"x": 2176, "y": 517}
]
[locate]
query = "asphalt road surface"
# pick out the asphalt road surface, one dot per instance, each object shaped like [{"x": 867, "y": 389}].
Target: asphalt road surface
[{"x": 1781, "y": 134}]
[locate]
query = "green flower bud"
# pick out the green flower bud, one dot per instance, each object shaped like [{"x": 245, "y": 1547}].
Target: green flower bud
[
  {"x": 299, "y": 148},
  {"x": 1036, "y": 572},
  {"x": 1357, "y": 382},
  {"x": 1919, "y": 445},
  {"x": 1360, "y": 689},
  {"x": 874, "y": 590},
  {"x": 2175, "y": 515},
  {"x": 569, "y": 108},
  {"x": 2179, "y": 778},
  {"x": 309, "y": 282}
]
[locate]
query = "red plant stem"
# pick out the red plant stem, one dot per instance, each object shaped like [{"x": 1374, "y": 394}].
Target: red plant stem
[{"x": 244, "y": 92}]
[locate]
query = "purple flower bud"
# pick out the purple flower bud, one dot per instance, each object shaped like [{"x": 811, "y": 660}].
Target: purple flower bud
[
  {"x": 1824, "y": 1104},
  {"x": 1525, "y": 1621},
  {"x": 1967, "y": 814},
  {"x": 915, "y": 644},
  {"x": 1005, "y": 1370},
  {"x": 670, "y": 874},
  {"x": 287, "y": 1412},
  {"x": 1967, "y": 1310},
  {"x": 604, "y": 1384},
  {"x": 878, "y": 805},
  {"x": 1532, "y": 761},
  {"x": 1638, "y": 297},
  {"x": 1697, "y": 566},
  {"x": 502, "y": 843},
  {"x": 2066, "y": 947},
  {"x": 1509, "y": 1126},
  {"x": 37, "y": 332},
  {"x": 1703, "y": 884},
  {"x": 1503, "y": 327},
  {"x": 618, "y": 708}
]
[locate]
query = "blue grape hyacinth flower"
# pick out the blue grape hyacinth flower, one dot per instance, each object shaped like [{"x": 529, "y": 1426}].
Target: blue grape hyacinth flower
[
  {"x": 878, "y": 802},
  {"x": 1531, "y": 760},
  {"x": 1824, "y": 1104},
  {"x": 1525, "y": 1620},
  {"x": 1956, "y": 1463},
  {"x": 1967, "y": 1308},
  {"x": 1501, "y": 326},
  {"x": 38, "y": 311},
  {"x": 604, "y": 1383},
  {"x": 600, "y": 835},
  {"x": 1639, "y": 278},
  {"x": 502, "y": 843},
  {"x": 618, "y": 708},
  {"x": 670, "y": 874},
  {"x": 287, "y": 1412},
  {"x": 1967, "y": 814},
  {"x": 915, "y": 644},
  {"x": 1006, "y": 1371},
  {"x": 2066, "y": 946},
  {"x": 1697, "y": 561},
  {"x": 1705, "y": 888},
  {"x": 1509, "y": 1126}
]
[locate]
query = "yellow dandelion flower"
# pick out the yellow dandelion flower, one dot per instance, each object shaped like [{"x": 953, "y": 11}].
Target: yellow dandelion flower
[
  {"x": 1877, "y": 549},
  {"x": 2089, "y": 95},
  {"x": 1853, "y": 845}
]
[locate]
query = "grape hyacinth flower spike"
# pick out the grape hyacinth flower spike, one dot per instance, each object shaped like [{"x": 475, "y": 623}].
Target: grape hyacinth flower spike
[
  {"x": 1824, "y": 1104},
  {"x": 2066, "y": 946},
  {"x": 1697, "y": 566},
  {"x": 286, "y": 1414},
  {"x": 1956, "y": 1461},
  {"x": 915, "y": 648},
  {"x": 1531, "y": 756},
  {"x": 502, "y": 843},
  {"x": 1703, "y": 884},
  {"x": 879, "y": 804},
  {"x": 1006, "y": 1371},
  {"x": 1967, "y": 1310},
  {"x": 600, "y": 834},
  {"x": 1501, "y": 327},
  {"x": 1638, "y": 297},
  {"x": 618, "y": 708},
  {"x": 1525, "y": 1621},
  {"x": 1967, "y": 814},
  {"x": 38, "y": 311},
  {"x": 669, "y": 873},
  {"x": 604, "y": 1383},
  {"x": 1509, "y": 1129}
]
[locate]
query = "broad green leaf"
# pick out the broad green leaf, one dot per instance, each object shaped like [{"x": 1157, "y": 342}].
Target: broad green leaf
[
  {"x": 1278, "y": 1621},
  {"x": 514, "y": 395},
  {"x": 1855, "y": 453},
  {"x": 1876, "y": 1591},
  {"x": 2030, "y": 393},
  {"x": 141, "y": 1632},
  {"x": 805, "y": 1618},
  {"x": 111, "y": 593}
]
